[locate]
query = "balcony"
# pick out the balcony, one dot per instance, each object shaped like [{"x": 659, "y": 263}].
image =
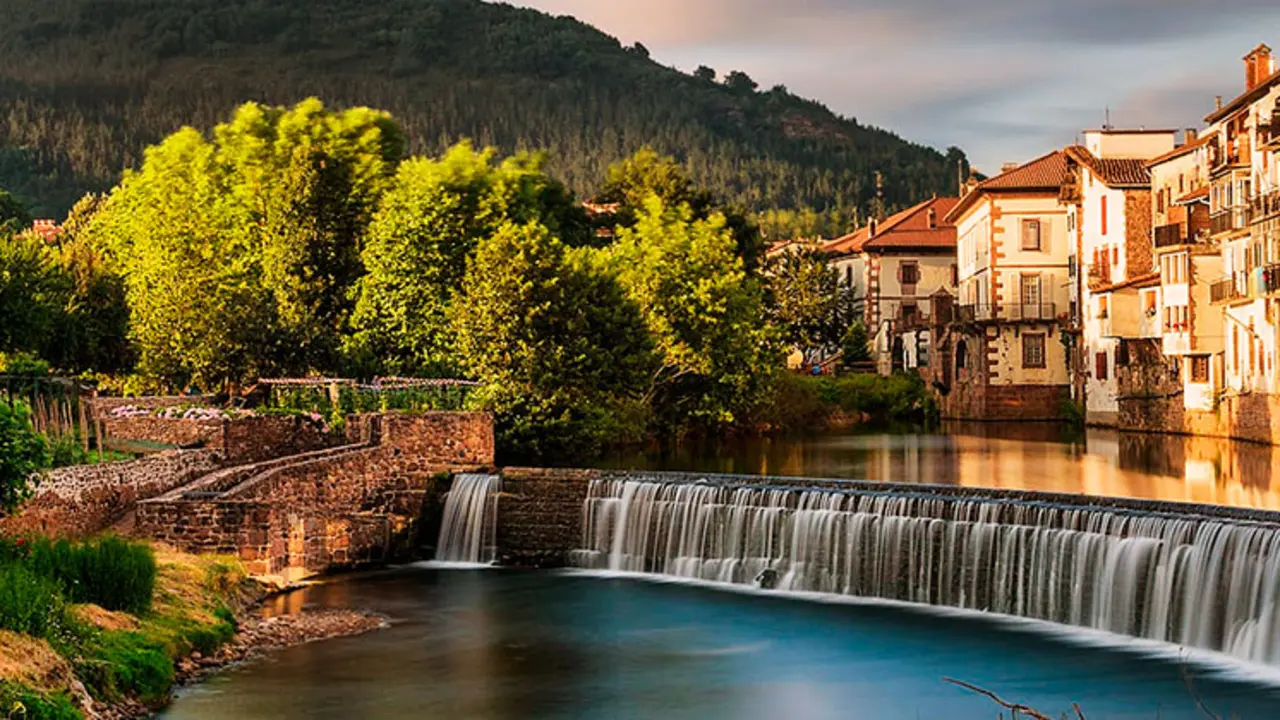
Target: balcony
[
  {"x": 1265, "y": 207},
  {"x": 974, "y": 313},
  {"x": 1170, "y": 236},
  {"x": 1232, "y": 219},
  {"x": 1269, "y": 131},
  {"x": 1228, "y": 289}
]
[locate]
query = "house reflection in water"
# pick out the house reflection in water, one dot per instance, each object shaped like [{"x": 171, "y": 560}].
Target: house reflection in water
[{"x": 1019, "y": 457}]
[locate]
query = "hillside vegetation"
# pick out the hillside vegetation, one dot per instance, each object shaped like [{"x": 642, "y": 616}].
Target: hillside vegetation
[{"x": 88, "y": 84}]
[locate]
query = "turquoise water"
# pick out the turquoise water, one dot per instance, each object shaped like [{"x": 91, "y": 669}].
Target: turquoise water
[{"x": 502, "y": 645}]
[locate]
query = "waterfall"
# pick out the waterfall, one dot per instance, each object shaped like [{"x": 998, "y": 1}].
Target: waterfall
[
  {"x": 468, "y": 533},
  {"x": 1192, "y": 580}
]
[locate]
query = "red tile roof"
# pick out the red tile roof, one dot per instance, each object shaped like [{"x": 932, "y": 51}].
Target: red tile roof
[
  {"x": 1141, "y": 281},
  {"x": 1046, "y": 173},
  {"x": 1113, "y": 172},
  {"x": 1245, "y": 99},
  {"x": 1194, "y": 195},
  {"x": 907, "y": 230}
]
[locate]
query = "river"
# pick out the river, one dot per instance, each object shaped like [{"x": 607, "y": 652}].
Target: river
[{"x": 495, "y": 644}]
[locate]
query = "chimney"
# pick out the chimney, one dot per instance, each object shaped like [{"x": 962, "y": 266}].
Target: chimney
[
  {"x": 1217, "y": 102},
  {"x": 933, "y": 219},
  {"x": 874, "y": 226},
  {"x": 1190, "y": 136},
  {"x": 1008, "y": 167},
  {"x": 1258, "y": 66}
]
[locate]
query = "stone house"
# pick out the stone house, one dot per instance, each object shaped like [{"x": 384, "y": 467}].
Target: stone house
[
  {"x": 904, "y": 268},
  {"x": 1113, "y": 288},
  {"x": 1004, "y": 357}
]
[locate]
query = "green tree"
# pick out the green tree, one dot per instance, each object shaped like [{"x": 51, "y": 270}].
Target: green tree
[
  {"x": 430, "y": 222},
  {"x": 23, "y": 454},
  {"x": 705, "y": 74},
  {"x": 805, "y": 300},
  {"x": 703, "y": 311},
  {"x": 13, "y": 215},
  {"x": 856, "y": 345},
  {"x": 239, "y": 254},
  {"x": 307, "y": 182},
  {"x": 739, "y": 81},
  {"x": 198, "y": 311},
  {"x": 563, "y": 356},
  {"x": 32, "y": 291},
  {"x": 632, "y": 181}
]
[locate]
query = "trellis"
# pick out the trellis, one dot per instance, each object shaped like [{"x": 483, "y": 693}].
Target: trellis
[{"x": 59, "y": 407}]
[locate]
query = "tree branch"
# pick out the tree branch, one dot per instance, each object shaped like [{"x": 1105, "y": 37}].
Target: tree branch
[{"x": 1015, "y": 707}]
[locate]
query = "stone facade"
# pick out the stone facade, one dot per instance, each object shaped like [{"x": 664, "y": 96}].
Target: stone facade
[{"x": 88, "y": 499}]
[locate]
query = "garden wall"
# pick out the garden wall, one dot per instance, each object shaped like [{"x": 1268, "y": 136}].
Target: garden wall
[
  {"x": 242, "y": 440},
  {"x": 88, "y": 499}
]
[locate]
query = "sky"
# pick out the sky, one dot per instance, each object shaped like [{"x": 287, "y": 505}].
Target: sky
[{"x": 1005, "y": 80}]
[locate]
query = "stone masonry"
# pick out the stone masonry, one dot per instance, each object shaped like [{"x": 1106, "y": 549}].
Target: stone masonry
[{"x": 329, "y": 508}]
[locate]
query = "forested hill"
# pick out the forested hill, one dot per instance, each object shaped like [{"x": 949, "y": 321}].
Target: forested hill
[{"x": 85, "y": 85}]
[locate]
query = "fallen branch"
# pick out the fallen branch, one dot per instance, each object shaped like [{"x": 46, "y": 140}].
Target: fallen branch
[{"x": 1015, "y": 707}]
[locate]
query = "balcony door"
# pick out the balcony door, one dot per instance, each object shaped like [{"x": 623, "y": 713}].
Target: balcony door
[{"x": 1031, "y": 297}]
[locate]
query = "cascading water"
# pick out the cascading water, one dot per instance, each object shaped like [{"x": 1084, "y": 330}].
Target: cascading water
[
  {"x": 468, "y": 533},
  {"x": 1194, "y": 581}
]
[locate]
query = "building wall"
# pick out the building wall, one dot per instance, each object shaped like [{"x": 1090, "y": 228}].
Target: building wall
[{"x": 1128, "y": 144}]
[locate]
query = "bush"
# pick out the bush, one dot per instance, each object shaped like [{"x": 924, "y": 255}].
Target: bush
[
  {"x": 806, "y": 401},
  {"x": 29, "y": 603},
  {"x": 110, "y": 572},
  {"x": 23, "y": 364},
  {"x": 21, "y": 703},
  {"x": 23, "y": 454}
]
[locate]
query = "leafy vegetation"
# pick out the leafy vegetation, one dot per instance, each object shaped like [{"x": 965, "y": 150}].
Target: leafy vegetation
[
  {"x": 23, "y": 454},
  {"x": 89, "y": 84},
  {"x": 108, "y": 572}
]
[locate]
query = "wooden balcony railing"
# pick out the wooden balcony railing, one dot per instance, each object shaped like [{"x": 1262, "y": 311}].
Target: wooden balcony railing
[
  {"x": 1265, "y": 207},
  {"x": 1271, "y": 279},
  {"x": 1226, "y": 290},
  {"x": 1236, "y": 218},
  {"x": 1170, "y": 235}
]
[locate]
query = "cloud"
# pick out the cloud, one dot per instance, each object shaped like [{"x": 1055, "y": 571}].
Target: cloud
[{"x": 1003, "y": 79}]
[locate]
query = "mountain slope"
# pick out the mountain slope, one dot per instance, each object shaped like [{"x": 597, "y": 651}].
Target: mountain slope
[{"x": 87, "y": 84}]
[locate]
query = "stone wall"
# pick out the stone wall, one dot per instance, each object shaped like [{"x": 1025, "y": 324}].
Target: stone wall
[
  {"x": 330, "y": 508},
  {"x": 540, "y": 515},
  {"x": 242, "y": 440},
  {"x": 88, "y": 499}
]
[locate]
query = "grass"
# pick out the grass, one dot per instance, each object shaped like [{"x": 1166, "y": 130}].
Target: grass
[
  {"x": 109, "y": 572},
  {"x": 68, "y": 451},
  {"x": 119, "y": 646}
]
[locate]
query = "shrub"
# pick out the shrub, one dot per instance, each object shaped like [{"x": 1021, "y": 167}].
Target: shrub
[
  {"x": 23, "y": 364},
  {"x": 29, "y": 603},
  {"x": 23, "y": 454},
  {"x": 110, "y": 572}
]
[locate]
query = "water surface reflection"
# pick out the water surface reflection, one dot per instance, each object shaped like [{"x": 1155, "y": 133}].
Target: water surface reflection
[{"x": 1030, "y": 456}]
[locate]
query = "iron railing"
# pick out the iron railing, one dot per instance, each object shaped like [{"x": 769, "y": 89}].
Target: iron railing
[
  {"x": 1170, "y": 236},
  {"x": 1225, "y": 290}
]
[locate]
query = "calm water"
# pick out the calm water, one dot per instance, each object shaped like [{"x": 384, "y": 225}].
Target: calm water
[
  {"x": 498, "y": 645},
  {"x": 1023, "y": 457}
]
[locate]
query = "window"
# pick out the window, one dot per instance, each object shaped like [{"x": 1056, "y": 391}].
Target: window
[
  {"x": 1160, "y": 202},
  {"x": 1200, "y": 369},
  {"x": 955, "y": 275},
  {"x": 1030, "y": 293},
  {"x": 962, "y": 355},
  {"x": 1030, "y": 234},
  {"x": 909, "y": 312},
  {"x": 1100, "y": 366},
  {"x": 1102, "y": 308},
  {"x": 848, "y": 276},
  {"x": 1103, "y": 215},
  {"x": 1149, "y": 304},
  {"x": 909, "y": 273},
  {"x": 1033, "y": 347}
]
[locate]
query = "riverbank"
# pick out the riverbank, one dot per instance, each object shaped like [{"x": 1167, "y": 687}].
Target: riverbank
[{"x": 66, "y": 661}]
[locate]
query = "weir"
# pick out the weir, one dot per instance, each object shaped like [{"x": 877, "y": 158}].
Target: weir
[
  {"x": 1193, "y": 579},
  {"x": 468, "y": 530}
]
